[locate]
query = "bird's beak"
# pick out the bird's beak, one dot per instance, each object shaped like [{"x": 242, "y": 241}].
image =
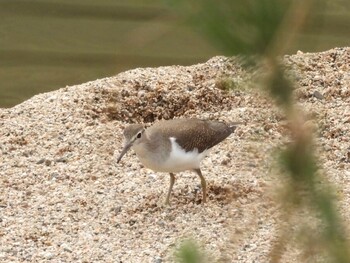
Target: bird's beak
[{"x": 127, "y": 146}]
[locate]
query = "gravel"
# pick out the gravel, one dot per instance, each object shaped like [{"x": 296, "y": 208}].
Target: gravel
[{"x": 63, "y": 198}]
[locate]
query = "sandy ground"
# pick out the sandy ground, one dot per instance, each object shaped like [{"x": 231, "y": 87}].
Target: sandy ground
[{"x": 63, "y": 198}]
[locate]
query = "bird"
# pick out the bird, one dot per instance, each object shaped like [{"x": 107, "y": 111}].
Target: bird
[{"x": 175, "y": 145}]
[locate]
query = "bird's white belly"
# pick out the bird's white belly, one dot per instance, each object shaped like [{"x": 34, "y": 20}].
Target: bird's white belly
[{"x": 177, "y": 161}]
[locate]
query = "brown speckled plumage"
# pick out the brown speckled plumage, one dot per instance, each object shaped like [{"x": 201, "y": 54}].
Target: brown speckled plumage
[{"x": 192, "y": 133}]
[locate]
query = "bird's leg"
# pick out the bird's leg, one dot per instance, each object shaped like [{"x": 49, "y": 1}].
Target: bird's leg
[
  {"x": 203, "y": 183},
  {"x": 172, "y": 181}
]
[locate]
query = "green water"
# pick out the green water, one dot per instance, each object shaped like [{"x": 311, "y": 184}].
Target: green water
[{"x": 48, "y": 44}]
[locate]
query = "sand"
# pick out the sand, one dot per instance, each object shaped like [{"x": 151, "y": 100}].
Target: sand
[{"x": 63, "y": 197}]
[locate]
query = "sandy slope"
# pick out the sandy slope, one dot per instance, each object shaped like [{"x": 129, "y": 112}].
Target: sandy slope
[{"x": 63, "y": 198}]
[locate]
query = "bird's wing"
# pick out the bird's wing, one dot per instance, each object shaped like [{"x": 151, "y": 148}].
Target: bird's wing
[{"x": 200, "y": 134}]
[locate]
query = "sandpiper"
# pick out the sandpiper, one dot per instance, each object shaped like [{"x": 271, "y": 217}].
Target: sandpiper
[{"x": 175, "y": 145}]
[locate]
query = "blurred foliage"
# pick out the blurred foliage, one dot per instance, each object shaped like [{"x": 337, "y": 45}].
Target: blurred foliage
[
  {"x": 237, "y": 27},
  {"x": 189, "y": 252},
  {"x": 263, "y": 30},
  {"x": 227, "y": 83},
  {"x": 280, "y": 87}
]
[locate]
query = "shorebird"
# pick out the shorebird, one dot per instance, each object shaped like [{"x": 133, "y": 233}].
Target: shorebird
[{"x": 175, "y": 145}]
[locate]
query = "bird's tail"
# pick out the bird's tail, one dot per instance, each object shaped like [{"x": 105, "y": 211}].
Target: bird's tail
[{"x": 234, "y": 125}]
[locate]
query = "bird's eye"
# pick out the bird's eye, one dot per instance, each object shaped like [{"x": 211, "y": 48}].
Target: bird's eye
[{"x": 138, "y": 135}]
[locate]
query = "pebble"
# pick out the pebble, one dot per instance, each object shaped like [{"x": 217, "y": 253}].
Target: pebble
[
  {"x": 48, "y": 255},
  {"x": 158, "y": 260},
  {"x": 61, "y": 160},
  {"x": 318, "y": 95},
  {"x": 66, "y": 248},
  {"x": 41, "y": 161}
]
